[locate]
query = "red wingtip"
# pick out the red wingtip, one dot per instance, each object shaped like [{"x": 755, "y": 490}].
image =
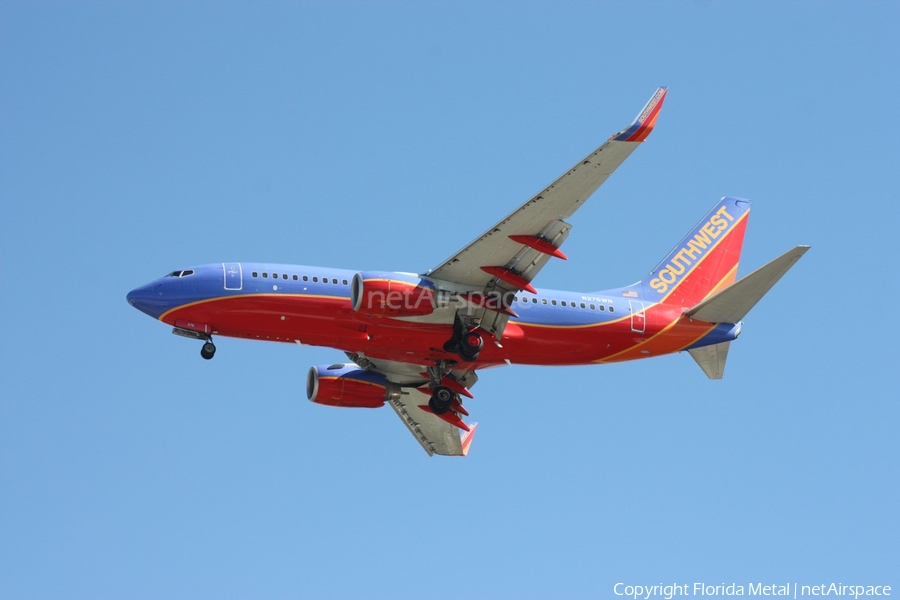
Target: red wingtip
[{"x": 466, "y": 439}]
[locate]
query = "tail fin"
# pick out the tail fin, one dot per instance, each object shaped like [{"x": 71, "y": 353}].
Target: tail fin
[{"x": 705, "y": 261}]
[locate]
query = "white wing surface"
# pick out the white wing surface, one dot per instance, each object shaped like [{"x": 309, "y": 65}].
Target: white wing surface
[{"x": 511, "y": 253}]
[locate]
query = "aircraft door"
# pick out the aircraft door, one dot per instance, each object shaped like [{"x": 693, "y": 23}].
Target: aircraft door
[
  {"x": 234, "y": 276},
  {"x": 638, "y": 317}
]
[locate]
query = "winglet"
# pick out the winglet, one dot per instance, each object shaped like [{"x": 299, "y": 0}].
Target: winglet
[
  {"x": 466, "y": 437},
  {"x": 644, "y": 122}
]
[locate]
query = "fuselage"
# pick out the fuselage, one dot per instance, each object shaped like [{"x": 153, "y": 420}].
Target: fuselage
[{"x": 312, "y": 306}]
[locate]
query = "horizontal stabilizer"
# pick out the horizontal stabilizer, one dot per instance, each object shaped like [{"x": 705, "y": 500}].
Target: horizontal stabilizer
[
  {"x": 711, "y": 359},
  {"x": 731, "y": 304}
]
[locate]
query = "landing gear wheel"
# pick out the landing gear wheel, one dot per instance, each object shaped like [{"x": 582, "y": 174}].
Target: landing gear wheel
[
  {"x": 208, "y": 350},
  {"x": 441, "y": 399},
  {"x": 470, "y": 346}
]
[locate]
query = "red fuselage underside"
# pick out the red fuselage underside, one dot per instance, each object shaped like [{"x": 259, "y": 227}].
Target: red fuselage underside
[{"x": 331, "y": 322}]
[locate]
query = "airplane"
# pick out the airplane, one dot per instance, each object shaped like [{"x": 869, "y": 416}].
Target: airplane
[{"x": 416, "y": 341}]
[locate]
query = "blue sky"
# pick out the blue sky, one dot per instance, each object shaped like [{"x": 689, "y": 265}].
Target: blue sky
[{"x": 138, "y": 138}]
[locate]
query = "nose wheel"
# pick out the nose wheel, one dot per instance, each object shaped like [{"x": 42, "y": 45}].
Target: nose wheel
[{"x": 208, "y": 350}]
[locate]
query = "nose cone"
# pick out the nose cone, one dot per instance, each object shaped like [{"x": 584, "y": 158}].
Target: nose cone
[{"x": 148, "y": 299}]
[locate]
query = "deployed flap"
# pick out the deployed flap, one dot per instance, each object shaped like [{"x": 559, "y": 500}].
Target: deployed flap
[
  {"x": 731, "y": 304},
  {"x": 711, "y": 359},
  {"x": 436, "y": 435},
  {"x": 540, "y": 221}
]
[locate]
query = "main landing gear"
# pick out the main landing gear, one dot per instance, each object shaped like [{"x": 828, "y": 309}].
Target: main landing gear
[
  {"x": 445, "y": 402},
  {"x": 466, "y": 343},
  {"x": 445, "y": 399},
  {"x": 442, "y": 398}
]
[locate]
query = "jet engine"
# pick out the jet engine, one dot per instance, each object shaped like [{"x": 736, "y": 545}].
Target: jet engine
[
  {"x": 349, "y": 386},
  {"x": 387, "y": 294}
]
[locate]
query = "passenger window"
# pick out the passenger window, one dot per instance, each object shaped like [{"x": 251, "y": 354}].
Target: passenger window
[
  {"x": 582, "y": 305},
  {"x": 612, "y": 309},
  {"x": 602, "y": 307},
  {"x": 296, "y": 278},
  {"x": 563, "y": 303},
  {"x": 305, "y": 278},
  {"x": 284, "y": 276},
  {"x": 315, "y": 280},
  {"x": 543, "y": 301},
  {"x": 344, "y": 281},
  {"x": 553, "y": 302},
  {"x": 255, "y": 274},
  {"x": 534, "y": 300},
  {"x": 265, "y": 275},
  {"x": 593, "y": 307}
]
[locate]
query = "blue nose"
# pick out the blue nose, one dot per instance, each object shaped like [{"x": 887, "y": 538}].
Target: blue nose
[{"x": 148, "y": 299}]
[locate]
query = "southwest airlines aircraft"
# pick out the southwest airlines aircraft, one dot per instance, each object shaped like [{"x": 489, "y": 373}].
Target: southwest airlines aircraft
[{"x": 415, "y": 341}]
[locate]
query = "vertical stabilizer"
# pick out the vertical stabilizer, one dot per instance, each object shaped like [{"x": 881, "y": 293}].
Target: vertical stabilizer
[{"x": 705, "y": 261}]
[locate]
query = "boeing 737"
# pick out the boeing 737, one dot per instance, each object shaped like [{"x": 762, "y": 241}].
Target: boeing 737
[{"x": 416, "y": 341}]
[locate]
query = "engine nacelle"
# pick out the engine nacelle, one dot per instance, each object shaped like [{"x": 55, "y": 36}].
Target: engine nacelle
[
  {"x": 349, "y": 386},
  {"x": 387, "y": 294}
]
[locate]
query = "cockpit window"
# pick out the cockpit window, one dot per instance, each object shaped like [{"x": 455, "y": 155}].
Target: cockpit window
[{"x": 183, "y": 273}]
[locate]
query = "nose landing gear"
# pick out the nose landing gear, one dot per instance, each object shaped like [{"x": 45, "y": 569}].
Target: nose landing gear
[{"x": 208, "y": 350}]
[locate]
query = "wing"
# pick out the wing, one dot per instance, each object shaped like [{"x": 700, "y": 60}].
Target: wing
[
  {"x": 511, "y": 253},
  {"x": 504, "y": 259},
  {"x": 436, "y": 435},
  {"x": 447, "y": 435}
]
